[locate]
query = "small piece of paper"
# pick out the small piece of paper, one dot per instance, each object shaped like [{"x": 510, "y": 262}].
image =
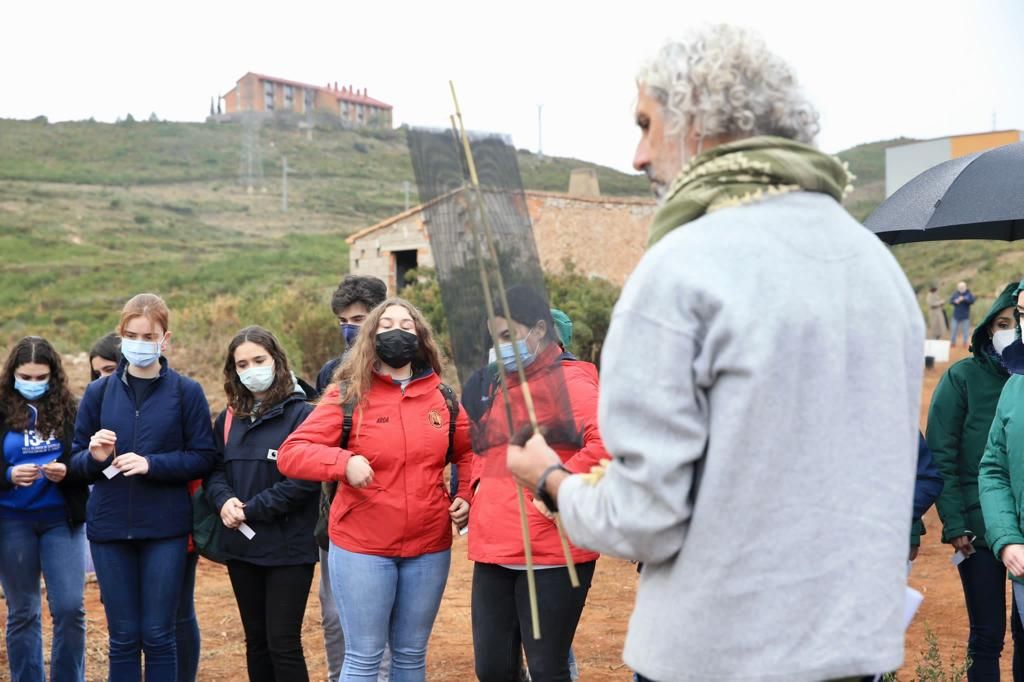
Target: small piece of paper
[
  {"x": 245, "y": 530},
  {"x": 111, "y": 471},
  {"x": 464, "y": 530},
  {"x": 911, "y": 603},
  {"x": 958, "y": 558}
]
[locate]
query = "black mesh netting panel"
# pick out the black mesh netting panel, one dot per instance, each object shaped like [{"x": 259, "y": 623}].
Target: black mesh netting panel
[{"x": 457, "y": 229}]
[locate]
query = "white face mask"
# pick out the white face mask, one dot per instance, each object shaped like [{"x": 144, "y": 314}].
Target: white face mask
[
  {"x": 1003, "y": 338},
  {"x": 257, "y": 379}
]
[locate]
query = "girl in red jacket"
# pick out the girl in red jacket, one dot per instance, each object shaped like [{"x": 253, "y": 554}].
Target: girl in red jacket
[
  {"x": 565, "y": 397},
  {"x": 390, "y": 523}
]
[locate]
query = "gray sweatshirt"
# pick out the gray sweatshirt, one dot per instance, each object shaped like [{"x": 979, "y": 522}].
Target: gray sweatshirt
[{"x": 760, "y": 391}]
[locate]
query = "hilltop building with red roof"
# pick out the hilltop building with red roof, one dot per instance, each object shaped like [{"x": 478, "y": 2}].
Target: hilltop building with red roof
[{"x": 270, "y": 95}]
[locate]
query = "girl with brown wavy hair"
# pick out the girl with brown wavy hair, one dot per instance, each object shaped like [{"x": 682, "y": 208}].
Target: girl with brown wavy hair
[
  {"x": 390, "y": 522},
  {"x": 271, "y": 571},
  {"x": 42, "y": 509}
]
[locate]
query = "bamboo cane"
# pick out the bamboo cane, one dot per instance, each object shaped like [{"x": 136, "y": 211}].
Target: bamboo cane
[
  {"x": 500, "y": 282},
  {"x": 531, "y": 581}
]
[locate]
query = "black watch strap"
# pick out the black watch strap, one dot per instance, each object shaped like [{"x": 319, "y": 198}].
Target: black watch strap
[{"x": 541, "y": 492}]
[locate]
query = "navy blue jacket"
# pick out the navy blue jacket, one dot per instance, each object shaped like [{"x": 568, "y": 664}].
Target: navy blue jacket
[
  {"x": 281, "y": 511},
  {"x": 171, "y": 430},
  {"x": 323, "y": 379},
  {"x": 962, "y": 310},
  {"x": 929, "y": 482}
]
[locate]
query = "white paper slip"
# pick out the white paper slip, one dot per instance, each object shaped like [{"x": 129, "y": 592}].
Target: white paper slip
[
  {"x": 111, "y": 471},
  {"x": 911, "y": 603},
  {"x": 248, "y": 532},
  {"x": 464, "y": 530},
  {"x": 958, "y": 558}
]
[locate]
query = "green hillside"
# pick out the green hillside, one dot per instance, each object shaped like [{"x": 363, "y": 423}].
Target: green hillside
[{"x": 91, "y": 213}]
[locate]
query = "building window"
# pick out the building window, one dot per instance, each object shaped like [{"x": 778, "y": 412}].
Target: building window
[
  {"x": 344, "y": 110},
  {"x": 268, "y": 95},
  {"x": 359, "y": 113},
  {"x": 308, "y": 97},
  {"x": 289, "y": 97}
]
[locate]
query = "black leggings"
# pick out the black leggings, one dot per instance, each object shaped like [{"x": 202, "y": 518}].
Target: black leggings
[
  {"x": 501, "y": 621},
  {"x": 272, "y": 601}
]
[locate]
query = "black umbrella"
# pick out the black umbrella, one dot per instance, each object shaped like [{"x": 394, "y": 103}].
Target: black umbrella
[{"x": 980, "y": 196}]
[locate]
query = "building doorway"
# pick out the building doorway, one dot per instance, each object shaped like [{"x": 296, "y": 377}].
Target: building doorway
[{"x": 404, "y": 262}]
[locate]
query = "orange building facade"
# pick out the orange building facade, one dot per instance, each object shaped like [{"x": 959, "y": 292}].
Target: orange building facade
[{"x": 269, "y": 95}]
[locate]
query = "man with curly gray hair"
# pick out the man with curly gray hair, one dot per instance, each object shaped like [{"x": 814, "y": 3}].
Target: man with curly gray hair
[{"x": 764, "y": 436}]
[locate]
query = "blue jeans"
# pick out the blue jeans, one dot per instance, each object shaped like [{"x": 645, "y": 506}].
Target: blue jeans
[
  {"x": 984, "y": 581},
  {"x": 963, "y": 326},
  {"x": 141, "y": 581},
  {"x": 382, "y": 599},
  {"x": 186, "y": 627},
  {"x": 57, "y": 551}
]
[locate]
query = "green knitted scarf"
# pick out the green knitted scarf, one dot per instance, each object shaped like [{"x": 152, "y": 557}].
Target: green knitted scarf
[{"x": 744, "y": 172}]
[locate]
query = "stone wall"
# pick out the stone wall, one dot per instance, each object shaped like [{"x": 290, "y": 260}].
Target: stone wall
[{"x": 603, "y": 236}]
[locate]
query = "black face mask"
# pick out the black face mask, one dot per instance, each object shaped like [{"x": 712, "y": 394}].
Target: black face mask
[{"x": 397, "y": 347}]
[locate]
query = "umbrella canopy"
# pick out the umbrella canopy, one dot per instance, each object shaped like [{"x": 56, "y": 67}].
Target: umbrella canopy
[{"x": 980, "y": 196}]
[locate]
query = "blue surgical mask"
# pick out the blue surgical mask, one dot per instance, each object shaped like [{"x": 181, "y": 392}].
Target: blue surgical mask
[
  {"x": 508, "y": 354},
  {"x": 257, "y": 379},
  {"x": 140, "y": 353},
  {"x": 31, "y": 390},
  {"x": 349, "y": 332}
]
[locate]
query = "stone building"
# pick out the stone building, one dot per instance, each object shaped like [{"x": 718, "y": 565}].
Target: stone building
[{"x": 602, "y": 236}]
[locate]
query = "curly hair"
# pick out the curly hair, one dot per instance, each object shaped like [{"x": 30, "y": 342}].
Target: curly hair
[
  {"x": 726, "y": 80},
  {"x": 240, "y": 399},
  {"x": 364, "y": 289},
  {"x": 56, "y": 408},
  {"x": 356, "y": 372}
]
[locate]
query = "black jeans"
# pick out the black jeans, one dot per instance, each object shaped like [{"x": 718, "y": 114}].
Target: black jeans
[
  {"x": 984, "y": 581},
  {"x": 501, "y": 621},
  {"x": 272, "y": 601}
]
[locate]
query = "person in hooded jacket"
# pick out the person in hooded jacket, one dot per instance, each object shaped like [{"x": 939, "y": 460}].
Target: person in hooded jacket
[
  {"x": 390, "y": 521},
  {"x": 565, "y": 394},
  {"x": 959, "y": 418},
  {"x": 141, "y": 435},
  {"x": 42, "y": 510},
  {"x": 1001, "y": 474},
  {"x": 271, "y": 572}
]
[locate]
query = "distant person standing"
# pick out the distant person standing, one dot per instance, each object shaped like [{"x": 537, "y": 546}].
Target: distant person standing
[
  {"x": 938, "y": 324},
  {"x": 962, "y": 300}
]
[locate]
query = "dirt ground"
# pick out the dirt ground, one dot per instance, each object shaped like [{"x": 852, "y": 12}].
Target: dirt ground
[{"x": 598, "y": 642}]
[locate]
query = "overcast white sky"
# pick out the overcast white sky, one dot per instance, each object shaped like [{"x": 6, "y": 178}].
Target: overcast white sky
[{"x": 876, "y": 69}]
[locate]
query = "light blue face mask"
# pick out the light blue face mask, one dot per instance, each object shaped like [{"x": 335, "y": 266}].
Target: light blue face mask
[
  {"x": 508, "y": 354},
  {"x": 31, "y": 390},
  {"x": 140, "y": 353},
  {"x": 257, "y": 379}
]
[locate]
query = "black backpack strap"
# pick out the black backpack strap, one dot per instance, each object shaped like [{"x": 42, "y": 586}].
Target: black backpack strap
[
  {"x": 453, "y": 412},
  {"x": 347, "y": 410}
]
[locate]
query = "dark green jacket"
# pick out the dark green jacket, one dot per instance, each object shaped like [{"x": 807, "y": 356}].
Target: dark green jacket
[
  {"x": 1001, "y": 475},
  {"x": 961, "y": 413}
]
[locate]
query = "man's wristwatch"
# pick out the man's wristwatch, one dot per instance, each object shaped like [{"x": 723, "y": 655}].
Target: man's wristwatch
[{"x": 541, "y": 492}]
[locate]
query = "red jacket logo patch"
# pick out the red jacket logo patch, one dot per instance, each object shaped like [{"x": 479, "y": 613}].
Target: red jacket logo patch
[{"x": 434, "y": 417}]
